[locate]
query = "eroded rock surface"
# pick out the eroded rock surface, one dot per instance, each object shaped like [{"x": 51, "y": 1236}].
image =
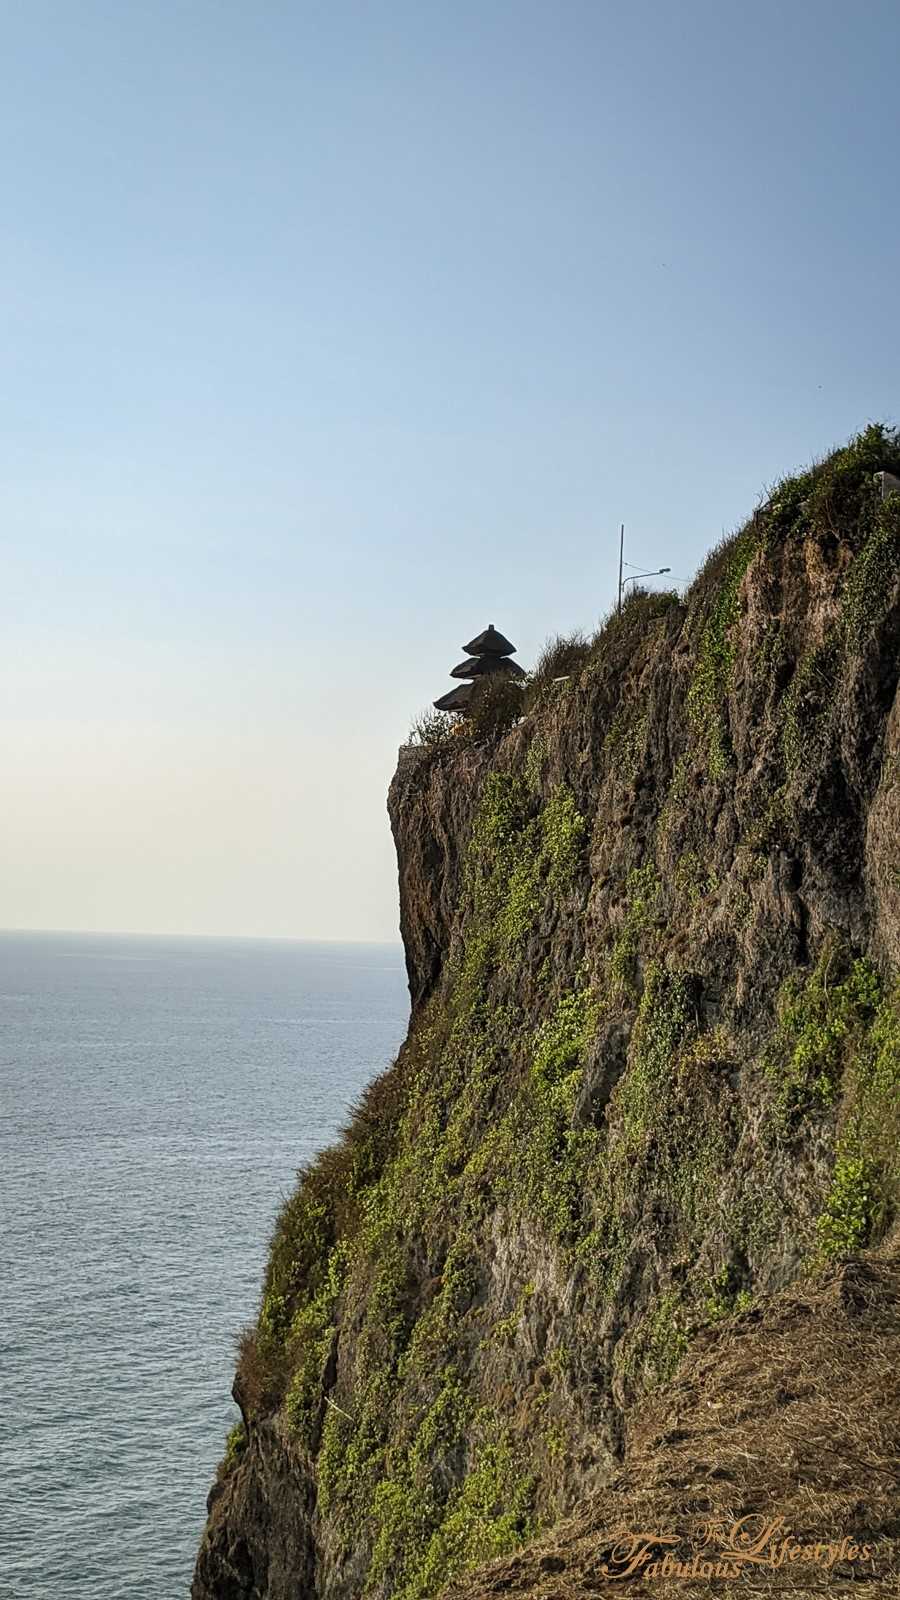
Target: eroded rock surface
[{"x": 651, "y": 1077}]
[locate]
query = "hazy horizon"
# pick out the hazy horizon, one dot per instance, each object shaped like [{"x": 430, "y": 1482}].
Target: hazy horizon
[
  {"x": 164, "y": 933},
  {"x": 332, "y": 334}
]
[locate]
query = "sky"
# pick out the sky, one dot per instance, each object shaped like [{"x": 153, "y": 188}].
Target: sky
[{"x": 331, "y": 333}]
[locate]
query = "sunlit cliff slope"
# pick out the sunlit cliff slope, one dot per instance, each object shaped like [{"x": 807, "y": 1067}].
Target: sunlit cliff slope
[{"x": 648, "y": 1100}]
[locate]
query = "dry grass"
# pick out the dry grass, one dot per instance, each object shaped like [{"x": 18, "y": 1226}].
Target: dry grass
[
  {"x": 561, "y": 657},
  {"x": 618, "y": 630},
  {"x": 260, "y": 1377},
  {"x": 791, "y": 1410}
]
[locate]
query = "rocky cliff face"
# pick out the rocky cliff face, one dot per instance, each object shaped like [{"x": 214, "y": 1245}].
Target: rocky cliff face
[{"x": 651, "y": 1075}]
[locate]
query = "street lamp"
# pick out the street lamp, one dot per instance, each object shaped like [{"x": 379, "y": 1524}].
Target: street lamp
[{"x": 635, "y": 575}]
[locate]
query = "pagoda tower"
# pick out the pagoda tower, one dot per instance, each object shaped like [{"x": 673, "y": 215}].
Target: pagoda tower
[{"x": 489, "y": 653}]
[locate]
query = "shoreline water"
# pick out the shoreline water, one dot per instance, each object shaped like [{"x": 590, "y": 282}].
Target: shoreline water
[{"x": 159, "y": 1093}]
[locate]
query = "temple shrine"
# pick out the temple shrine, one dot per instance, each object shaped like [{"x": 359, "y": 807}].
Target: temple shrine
[{"x": 489, "y": 653}]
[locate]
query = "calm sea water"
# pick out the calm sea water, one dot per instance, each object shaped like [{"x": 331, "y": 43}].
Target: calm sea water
[{"x": 156, "y": 1098}]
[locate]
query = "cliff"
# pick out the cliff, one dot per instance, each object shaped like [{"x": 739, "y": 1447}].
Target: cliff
[{"x": 647, "y": 1108}]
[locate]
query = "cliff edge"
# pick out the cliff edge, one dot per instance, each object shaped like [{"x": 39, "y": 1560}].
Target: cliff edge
[{"x": 648, "y": 1103}]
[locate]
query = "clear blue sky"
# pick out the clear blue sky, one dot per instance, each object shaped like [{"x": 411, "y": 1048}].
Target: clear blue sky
[{"x": 331, "y": 333}]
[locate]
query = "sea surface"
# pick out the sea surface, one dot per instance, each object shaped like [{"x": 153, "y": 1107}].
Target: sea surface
[{"x": 156, "y": 1098}]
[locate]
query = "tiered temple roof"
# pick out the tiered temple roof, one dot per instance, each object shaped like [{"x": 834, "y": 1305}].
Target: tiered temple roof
[
  {"x": 481, "y": 666},
  {"x": 490, "y": 643},
  {"x": 487, "y": 654}
]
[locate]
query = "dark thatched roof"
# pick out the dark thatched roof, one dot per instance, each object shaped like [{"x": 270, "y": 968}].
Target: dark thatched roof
[
  {"x": 455, "y": 700},
  {"x": 489, "y": 643},
  {"x": 480, "y": 666}
]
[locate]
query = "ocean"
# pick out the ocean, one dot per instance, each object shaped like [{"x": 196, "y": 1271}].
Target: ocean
[{"x": 156, "y": 1098}]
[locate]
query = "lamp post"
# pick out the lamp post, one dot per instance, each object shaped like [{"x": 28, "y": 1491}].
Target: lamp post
[
  {"x": 621, "y": 554},
  {"x": 633, "y": 578}
]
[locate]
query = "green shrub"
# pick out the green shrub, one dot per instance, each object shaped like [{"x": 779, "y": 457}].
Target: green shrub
[
  {"x": 547, "y": 1152},
  {"x": 715, "y": 659},
  {"x": 489, "y": 1515},
  {"x": 432, "y": 729},
  {"x": 625, "y": 741},
  {"x": 308, "y": 1347},
  {"x": 846, "y": 1222},
  {"x": 864, "y": 1196},
  {"x": 642, "y": 893},
  {"x": 562, "y": 832},
  {"x": 517, "y": 855},
  {"x": 664, "y": 1017},
  {"x": 842, "y": 488},
  {"x": 873, "y": 575},
  {"x": 652, "y": 1353},
  {"x": 725, "y": 1295},
  {"x": 235, "y": 1445},
  {"x": 534, "y": 763},
  {"x": 833, "y": 495},
  {"x": 496, "y": 705},
  {"x": 820, "y": 1017}
]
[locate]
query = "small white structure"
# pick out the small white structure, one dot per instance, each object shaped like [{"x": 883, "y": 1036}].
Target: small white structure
[{"x": 890, "y": 483}]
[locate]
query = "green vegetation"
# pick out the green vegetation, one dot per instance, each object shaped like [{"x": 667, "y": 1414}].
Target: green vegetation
[
  {"x": 666, "y": 1338},
  {"x": 235, "y": 1445},
  {"x": 692, "y": 878},
  {"x": 662, "y": 1021},
  {"x": 846, "y": 1222},
  {"x": 806, "y": 707},
  {"x": 562, "y": 833},
  {"x": 831, "y": 497},
  {"x": 507, "y": 1327},
  {"x": 431, "y": 729},
  {"x": 873, "y": 575},
  {"x": 625, "y": 741},
  {"x": 540, "y": 1129},
  {"x": 308, "y": 1346},
  {"x": 668, "y": 1132},
  {"x": 674, "y": 803},
  {"x": 590, "y": 1108},
  {"x": 837, "y": 1045},
  {"x": 821, "y": 1017},
  {"x": 425, "y": 1526},
  {"x": 769, "y": 827},
  {"x": 488, "y": 1515},
  {"x": 865, "y": 1191},
  {"x": 496, "y": 705},
  {"x": 517, "y": 853},
  {"x": 562, "y": 657},
  {"x": 650, "y": 1355},
  {"x": 668, "y": 1115},
  {"x": 825, "y": 502},
  {"x": 447, "y": 1157},
  {"x": 534, "y": 763},
  {"x": 715, "y": 660},
  {"x": 621, "y": 629},
  {"x": 642, "y": 893},
  {"x": 725, "y": 1297}
]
